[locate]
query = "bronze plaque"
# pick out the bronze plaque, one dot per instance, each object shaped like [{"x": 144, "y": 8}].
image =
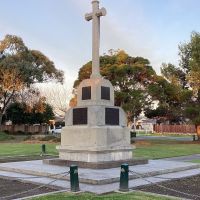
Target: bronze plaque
[
  {"x": 105, "y": 93},
  {"x": 80, "y": 116},
  {"x": 86, "y": 93},
  {"x": 112, "y": 116}
]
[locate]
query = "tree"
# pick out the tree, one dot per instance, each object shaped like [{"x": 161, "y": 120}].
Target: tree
[
  {"x": 174, "y": 75},
  {"x": 10, "y": 83},
  {"x": 171, "y": 95},
  {"x": 57, "y": 95},
  {"x": 178, "y": 90},
  {"x": 129, "y": 76},
  {"x": 190, "y": 63},
  {"x": 26, "y": 66},
  {"x": 16, "y": 113},
  {"x": 20, "y": 113}
]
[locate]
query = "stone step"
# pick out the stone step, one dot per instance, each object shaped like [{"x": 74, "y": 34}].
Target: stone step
[{"x": 97, "y": 176}]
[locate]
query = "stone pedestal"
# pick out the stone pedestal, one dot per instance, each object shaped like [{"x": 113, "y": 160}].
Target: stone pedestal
[
  {"x": 95, "y": 144},
  {"x": 95, "y": 131}
]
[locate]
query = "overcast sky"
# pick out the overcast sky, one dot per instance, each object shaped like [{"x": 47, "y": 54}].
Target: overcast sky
[{"x": 149, "y": 28}]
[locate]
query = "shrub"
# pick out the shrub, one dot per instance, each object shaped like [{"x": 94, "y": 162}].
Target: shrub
[{"x": 4, "y": 136}]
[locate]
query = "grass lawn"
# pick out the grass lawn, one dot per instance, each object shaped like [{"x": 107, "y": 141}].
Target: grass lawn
[
  {"x": 113, "y": 196},
  {"x": 156, "y": 149},
  {"x": 14, "y": 149},
  {"x": 151, "y": 149}
]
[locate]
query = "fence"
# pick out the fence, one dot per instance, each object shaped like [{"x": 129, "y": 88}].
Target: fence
[
  {"x": 24, "y": 128},
  {"x": 187, "y": 129}
]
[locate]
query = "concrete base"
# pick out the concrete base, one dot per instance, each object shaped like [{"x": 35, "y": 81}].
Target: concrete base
[
  {"x": 91, "y": 165},
  {"x": 95, "y": 144}
]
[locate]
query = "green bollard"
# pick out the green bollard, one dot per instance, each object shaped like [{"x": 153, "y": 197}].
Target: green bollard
[
  {"x": 74, "y": 181},
  {"x": 43, "y": 148},
  {"x": 124, "y": 178}
]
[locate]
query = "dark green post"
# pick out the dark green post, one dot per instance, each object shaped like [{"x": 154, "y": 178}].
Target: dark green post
[
  {"x": 43, "y": 148},
  {"x": 74, "y": 181},
  {"x": 124, "y": 178}
]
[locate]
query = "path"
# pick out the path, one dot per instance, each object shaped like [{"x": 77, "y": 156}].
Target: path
[
  {"x": 184, "y": 158},
  {"x": 99, "y": 181},
  {"x": 140, "y": 137}
]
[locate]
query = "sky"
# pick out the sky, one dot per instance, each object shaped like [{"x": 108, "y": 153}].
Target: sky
[{"x": 149, "y": 28}]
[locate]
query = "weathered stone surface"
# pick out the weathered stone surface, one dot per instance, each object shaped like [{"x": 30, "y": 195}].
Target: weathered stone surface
[
  {"x": 95, "y": 165},
  {"x": 96, "y": 116},
  {"x": 95, "y": 17},
  {"x": 95, "y": 144},
  {"x": 95, "y": 85}
]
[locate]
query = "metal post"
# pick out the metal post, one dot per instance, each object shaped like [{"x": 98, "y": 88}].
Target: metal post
[
  {"x": 43, "y": 148},
  {"x": 124, "y": 178},
  {"x": 74, "y": 181}
]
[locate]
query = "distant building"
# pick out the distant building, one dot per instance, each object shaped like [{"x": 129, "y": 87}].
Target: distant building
[{"x": 144, "y": 124}]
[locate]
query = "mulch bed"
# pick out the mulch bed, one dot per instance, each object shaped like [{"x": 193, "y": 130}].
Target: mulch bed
[
  {"x": 12, "y": 187},
  {"x": 189, "y": 185}
]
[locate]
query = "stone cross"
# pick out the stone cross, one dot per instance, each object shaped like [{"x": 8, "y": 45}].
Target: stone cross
[{"x": 95, "y": 16}]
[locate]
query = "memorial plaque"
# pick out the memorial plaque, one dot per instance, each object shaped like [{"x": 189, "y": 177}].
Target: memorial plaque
[
  {"x": 112, "y": 116},
  {"x": 86, "y": 93},
  {"x": 80, "y": 116},
  {"x": 105, "y": 93}
]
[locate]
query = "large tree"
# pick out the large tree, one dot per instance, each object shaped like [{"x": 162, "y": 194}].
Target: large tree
[
  {"x": 190, "y": 64},
  {"x": 24, "y": 67},
  {"x": 171, "y": 98},
  {"x": 178, "y": 90},
  {"x": 129, "y": 76}
]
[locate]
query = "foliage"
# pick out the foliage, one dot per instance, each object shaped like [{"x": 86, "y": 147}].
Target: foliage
[
  {"x": 20, "y": 113},
  {"x": 193, "y": 113},
  {"x": 16, "y": 113},
  {"x": 171, "y": 98},
  {"x": 20, "y": 67},
  {"x": 190, "y": 64},
  {"x": 129, "y": 76},
  {"x": 5, "y": 137},
  {"x": 178, "y": 90},
  {"x": 57, "y": 95}
]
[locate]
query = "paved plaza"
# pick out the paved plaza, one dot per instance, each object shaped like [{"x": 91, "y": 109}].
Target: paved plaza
[{"x": 98, "y": 181}]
